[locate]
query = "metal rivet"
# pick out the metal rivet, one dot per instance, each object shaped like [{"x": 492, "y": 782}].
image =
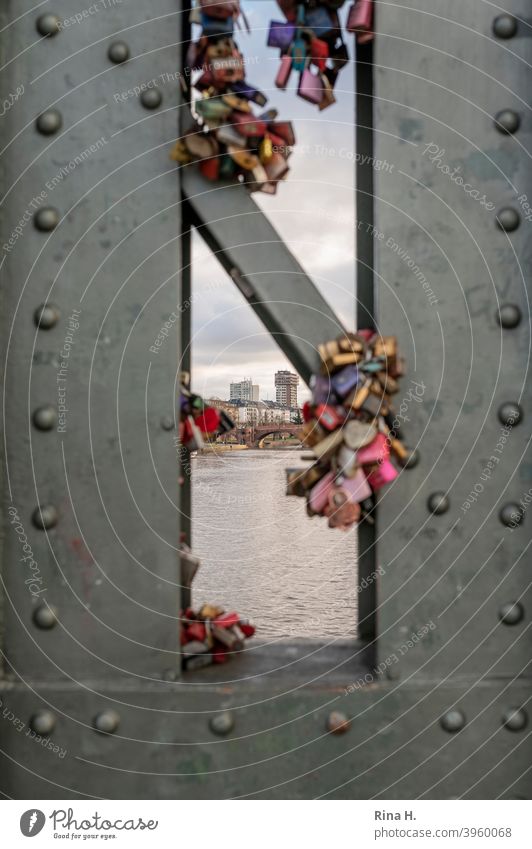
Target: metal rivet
[
  {"x": 510, "y": 413},
  {"x": 507, "y": 219},
  {"x": 515, "y": 719},
  {"x": 222, "y": 723},
  {"x": 509, "y": 316},
  {"x": 43, "y": 722},
  {"x": 151, "y": 98},
  {"x": 505, "y": 26},
  {"x": 48, "y": 24},
  {"x": 167, "y": 423},
  {"x": 511, "y": 515},
  {"x": 45, "y": 417},
  {"x": 45, "y": 616},
  {"x": 438, "y": 503},
  {"x": 338, "y": 722},
  {"x": 49, "y": 122},
  {"x": 107, "y": 721},
  {"x": 453, "y": 721},
  {"x": 411, "y": 460},
  {"x": 507, "y": 121},
  {"x": 511, "y": 613},
  {"x": 46, "y": 218},
  {"x": 46, "y": 316},
  {"x": 45, "y": 516},
  {"x": 118, "y": 52}
]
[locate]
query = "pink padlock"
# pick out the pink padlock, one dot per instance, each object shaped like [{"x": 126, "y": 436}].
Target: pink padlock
[
  {"x": 283, "y": 74},
  {"x": 377, "y": 451},
  {"x": 360, "y": 16},
  {"x": 381, "y": 475},
  {"x": 310, "y": 87},
  {"x": 319, "y": 494},
  {"x": 357, "y": 487}
]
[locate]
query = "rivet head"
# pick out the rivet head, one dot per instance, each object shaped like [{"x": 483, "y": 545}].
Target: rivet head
[
  {"x": 509, "y": 316},
  {"x": 43, "y": 722},
  {"x": 515, "y": 719},
  {"x": 338, "y": 722},
  {"x": 46, "y": 316},
  {"x": 151, "y": 98},
  {"x": 507, "y": 219},
  {"x": 505, "y": 26},
  {"x": 46, "y": 218},
  {"x": 45, "y": 617},
  {"x": 118, "y": 52},
  {"x": 510, "y": 413},
  {"x": 107, "y": 721},
  {"x": 49, "y": 122},
  {"x": 507, "y": 121},
  {"x": 45, "y": 516},
  {"x": 511, "y": 514},
  {"x": 48, "y": 24},
  {"x": 511, "y": 613},
  {"x": 453, "y": 721},
  {"x": 222, "y": 723},
  {"x": 167, "y": 423},
  {"x": 411, "y": 460},
  {"x": 45, "y": 417},
  {"x": 438, "y": 503}
]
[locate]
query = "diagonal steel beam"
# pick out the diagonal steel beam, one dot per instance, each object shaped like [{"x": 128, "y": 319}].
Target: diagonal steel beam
[{"x": 271, "y": 279}]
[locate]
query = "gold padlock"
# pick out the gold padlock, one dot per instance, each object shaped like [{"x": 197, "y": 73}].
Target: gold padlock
[
  {"x": 179, "y": 153},
  {"x": 328, "y": 445},
  {"x": 266, "y": 150},
  {"x": 360, "y": 395},
  {"x": 386, "y": 346},
  {"x": 388, "y": 383},
  {"x": 243, "y": 157},
  {"x": 311, "y": 433},
  {"x": 350, "y": 343},
  {"x": 236, "y": 102}
]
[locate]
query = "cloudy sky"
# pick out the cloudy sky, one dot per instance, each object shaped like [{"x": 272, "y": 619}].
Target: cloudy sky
[{"x": 313, "y": 211}]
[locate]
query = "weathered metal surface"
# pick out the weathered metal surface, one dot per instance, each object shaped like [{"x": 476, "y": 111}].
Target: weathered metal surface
[
  {"x": 460, "y": 565},
  {"x": 106, "y": 468}
]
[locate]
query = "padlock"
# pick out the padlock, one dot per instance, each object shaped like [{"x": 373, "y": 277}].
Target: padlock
[
  {"x": 307, "y": 411},
  {"x": 236, "y": 103},
  {"x": 320, "y": 21},
  {"x": 227, "y": 71},
  {"x": 192, "y": 438},
  {"x": 329, "y": 445},
  {"x": 194, "y": 647},
  {"x": 248, "y": 629},
  {"x": 285, "y": 131},
  {"x": 244, "y": 89},
  {"x": 227, "y": 638},
  {"x": 283, "y": 74},
  {"x": 210, "y": 168},
  {"x": 377, "y": 451},
  {"x": 328, "y": 417},
  {"x": 386, "y": 347},
  {"x": 400, "y": 450},
  {"x": 346, "y": 461},
  {"x": 356, "y": 487},
  {"x": 341, "y": 512},
  {"x": 373, "y": 405},
  {"x": 382, "y": 475},
  {"x": 313, "y": 474},
  {"x": 357, "y": 434},
  {"x": 180, "y": 153},
  {"x": 328, "y": 98},
  {"x": 196, "y": 631},
  {"x": 360, "y": 16},
  {"x": 319, "y": 495},
  {"x": 265, "y": 150},
  {"x": 216, "y": 27},
  {"x": 311, "y": 433},
  {"x": 322, "y": 392},
  {"x": 210, "y": 611},
  {"x": 243, "y": 157},
  {"x": 298, "y": 54},
  {"x": 201, "y": 145},
  {"x": 276, "y": 169},
  {"x": 281, "y": 34},
  {"x": 319, "y": 53},
  {"x": 226, "y": 620},
  {"x": 248, "y": 127},
  {"x": 388, "y": 383},
  {"x": 310, "y": 87},
  {"x": 345, "y": 381},
  {"x": 208, "y": 421},
  {"x": 257, "y": 178},
  {"x": 339, "y": 361},
  {"x": 212, "y": 109},
  {"x": 228, "y": 135},
  {"x": 295, "y": 482}
]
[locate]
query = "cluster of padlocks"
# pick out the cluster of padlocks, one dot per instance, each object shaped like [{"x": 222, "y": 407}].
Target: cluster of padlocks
[
  {"x": 197, "y": 420},
  {"x": 349, "y": 426},
  {"x": 227, "y": 140},
  {"x": 211, "y": 635},
  {"x": 311, "y": 43}
]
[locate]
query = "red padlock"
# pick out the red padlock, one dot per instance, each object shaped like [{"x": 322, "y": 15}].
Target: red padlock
[
  {"x": 210, "y": 168},
  {"x": 247, "y": 628},
  {"x": 247, "y": 127},
  {"x": 227, "y": 620},
  {"x": 196, "y": 631},
  {"x": 360, "y": 16},
  {"x": 319, "y": 53},
  {"x": 308, "y": 411},
  {"x": 328, "y": 417},
  {"x": 208, "y": 421}
]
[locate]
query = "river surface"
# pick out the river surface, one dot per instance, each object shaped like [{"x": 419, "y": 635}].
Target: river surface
[{"x": 263, "y": 556}]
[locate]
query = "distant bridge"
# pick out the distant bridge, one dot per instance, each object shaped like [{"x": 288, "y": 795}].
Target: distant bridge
[{"x": 254, "y": 436}]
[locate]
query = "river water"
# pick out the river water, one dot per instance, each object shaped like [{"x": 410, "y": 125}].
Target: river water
[{"x": 263, "y": 556}]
